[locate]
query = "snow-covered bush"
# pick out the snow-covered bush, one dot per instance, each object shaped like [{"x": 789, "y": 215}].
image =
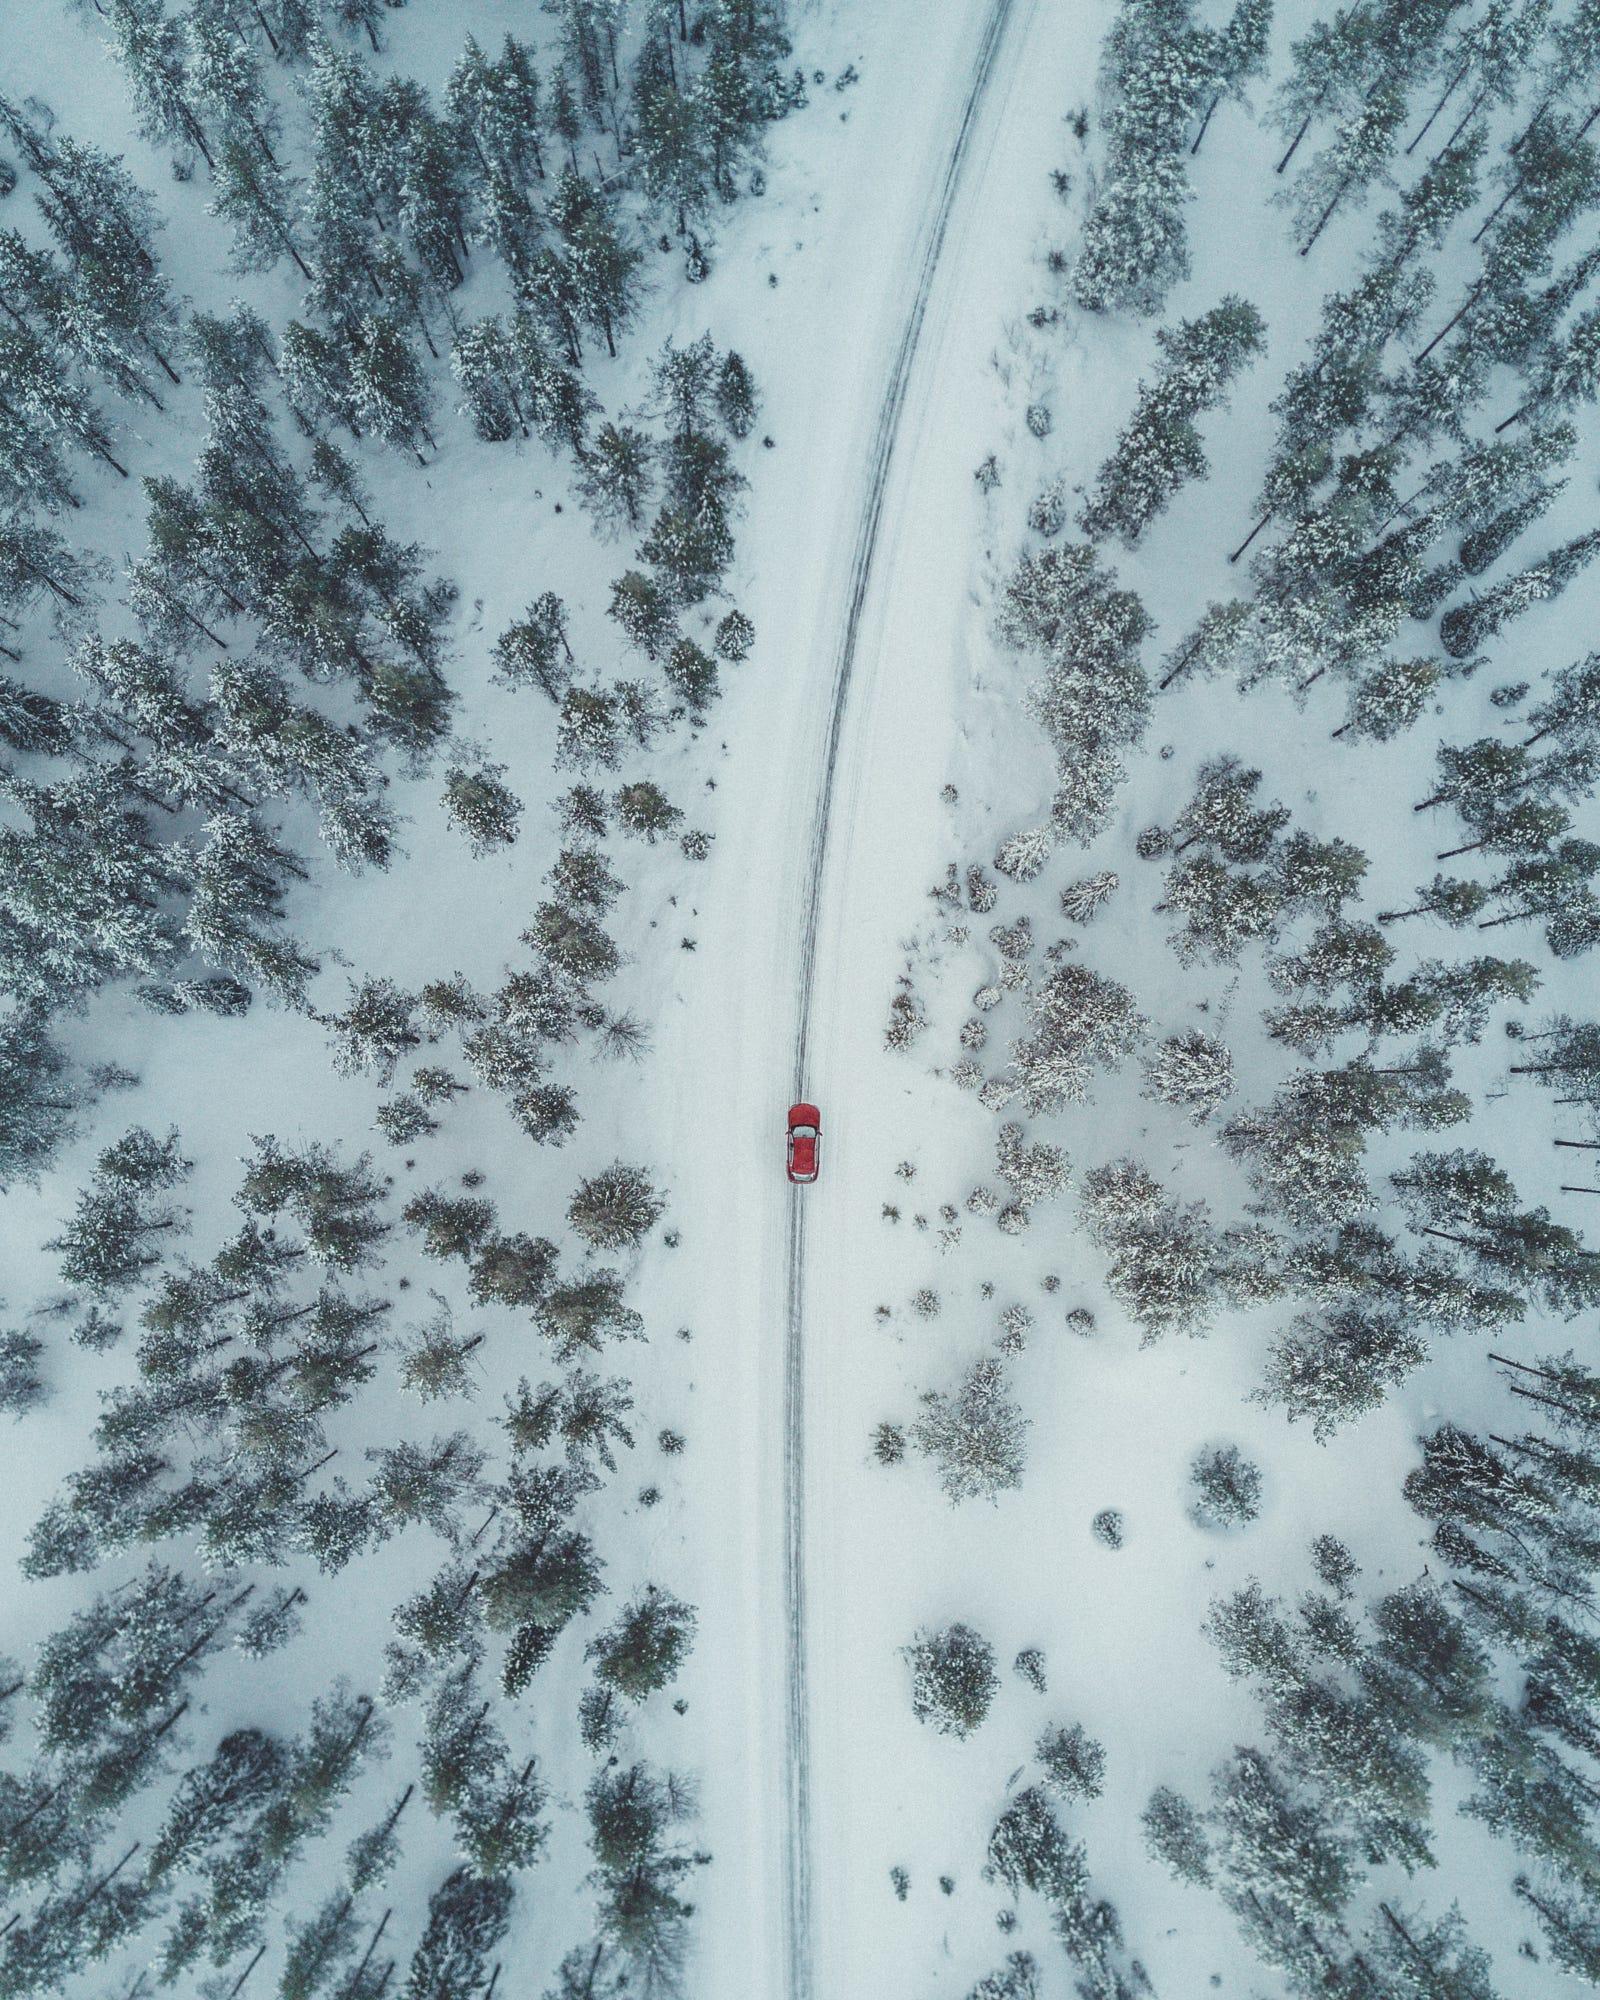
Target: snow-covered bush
[
  {"x": 1074, "y": 1765},
  {"x": 1227, "y": 1488},
  {"x": 975, "y": 1435},
  {"x": 953, "y": 1679}
]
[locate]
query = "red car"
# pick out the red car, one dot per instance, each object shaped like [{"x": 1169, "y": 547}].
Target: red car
[{"x": 805, "y": 1141}]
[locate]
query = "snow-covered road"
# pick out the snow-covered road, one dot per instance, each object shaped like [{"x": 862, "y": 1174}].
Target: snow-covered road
[
  {"x": 980, "y": 93},
  {"x": 883, "y": 308}
]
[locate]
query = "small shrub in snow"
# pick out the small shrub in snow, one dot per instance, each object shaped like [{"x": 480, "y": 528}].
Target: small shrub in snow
[
  {"x": 1227, "y": 1488},
  {"x": 1048, "y": 514},
  {"x": 1334, "y": 1563},
  {"x": 1014, "y": 1324},
  {"x": 1013, "y": 941},
  {"x": 900, "y": 1882},
  {"x": 403, "y": 1119},
  {"x": 1012, "y": 1219},
  {"x": 1107, "y": 1527},
  {"x": 981, "y": 892},
  {"x": 1014, "y": 975},
  {"x": 1080, "y": 1319},
  {"x": 1174, "y": 1834},
  {"x": 1024, "y": 855},
  {"x": 481, "y": 807},
  {"x": 947, "y": 894},
  {"x": 1152, "y": 843},
  {"x": 953, "y": 1679},
  {"x": 1039, "y": 420},
  {"x": 615, "y": 1208},
  {"x": 890, "y": 1212},
  {"x": 1074, "y": 1764},
  {"x": 1029, "y": 1666},
  {"x": 671, "y": 1442},
  {"x": 906, "y": 1020},
  {"x": 906, "y": 1170},
  {"x": 1080, "y": 900},
  {"x": 889, "y": 1444},
  {"x": 988, "y": 474},
  {"x": 644, "y": 1646},
  {"x": 925, "y": 1304},
  {"x": 975, "y": 1436},
  {"x": 982, "y": 1201},
  {"x": 1017, "y": 1979},
  {"x": 987, "y": 998},
  {"x": 1191, "y": 1070},
  {"x": 1033, "y": 1173},
  {"x": 695, "y": 844},
  {"x": 974, "y": 1033},
  {"x": 621, "y": 1036},
  {"x": 966, "y": 1074}
]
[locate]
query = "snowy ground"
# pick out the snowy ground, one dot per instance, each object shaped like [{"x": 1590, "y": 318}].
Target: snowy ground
[{"x": 811, "y": 284}]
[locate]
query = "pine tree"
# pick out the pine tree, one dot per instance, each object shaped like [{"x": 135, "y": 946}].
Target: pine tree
[
  {"x": 1157, "y": 68},
  {"x": 375, "y": 1030},
  {"x": 468, "y": 1915},
  {"x": 1073, "y": 1763},
  {"x": 150, "y": 48},
  {"x": 1364, "y": 139},
  {"x": 112, "y": 1239},
  {"x": 1464, "y": 629},
  {"x": 39, "y": 1095},
  {"x": 1192, "y": 1070},
  {"x": 616, "y": 477},
  {"x": 633, "y": 1814},
  {"x": 1160, "y": 447}
]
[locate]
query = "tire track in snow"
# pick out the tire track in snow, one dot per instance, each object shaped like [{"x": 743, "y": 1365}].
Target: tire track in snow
[{"x": 797, "y": 1730}]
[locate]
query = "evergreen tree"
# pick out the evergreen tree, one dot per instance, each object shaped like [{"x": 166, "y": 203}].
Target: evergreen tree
[
  {"x": 468, "y": 1915},
  {"x": 113, "y": 1237},
  {"x": 633, "y": 1815},
  {"x": 1463, "y": 629},
  {"x": 1156, "y": 69},
  {"x": 1160, "y": 447},
  {"x": 39, "y": 1094}
]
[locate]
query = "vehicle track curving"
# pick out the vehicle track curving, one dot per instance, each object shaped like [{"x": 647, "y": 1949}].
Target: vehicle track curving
[{"x": 797, "y": 1913}]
